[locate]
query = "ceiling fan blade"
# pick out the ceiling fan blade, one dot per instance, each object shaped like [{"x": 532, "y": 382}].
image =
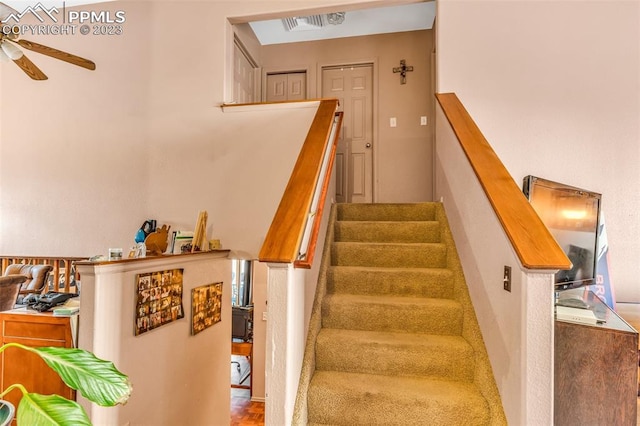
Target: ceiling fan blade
[
  {"x": 58, "y": 54},
  {"x": 5, "y": 11},
  {"x": 30, "y": 68}
]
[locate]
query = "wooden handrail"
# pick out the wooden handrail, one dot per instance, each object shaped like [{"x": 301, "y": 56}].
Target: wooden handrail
[
  {"x": 285, "y": 233},
  {"x": 307, "y": 262},
  {"x": 533, "y": 243}
]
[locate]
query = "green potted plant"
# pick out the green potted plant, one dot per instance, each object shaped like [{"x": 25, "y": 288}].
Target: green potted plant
[{"x": 97, "y": 380}]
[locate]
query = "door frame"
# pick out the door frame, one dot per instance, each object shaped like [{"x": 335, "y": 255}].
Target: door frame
[{"x": 374, "y": 65}]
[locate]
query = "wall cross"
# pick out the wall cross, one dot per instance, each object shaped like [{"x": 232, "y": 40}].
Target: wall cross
[{"x": 403, "y": 69}]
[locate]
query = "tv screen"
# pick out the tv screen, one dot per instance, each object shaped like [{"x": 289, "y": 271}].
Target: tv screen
[{"x": 572, "y": 216}]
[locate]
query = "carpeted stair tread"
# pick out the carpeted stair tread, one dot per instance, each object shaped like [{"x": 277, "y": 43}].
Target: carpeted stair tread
[
  {"x": 388, "y": 400},
  {"x": 395, "y": 354},
  {"x": 410, "y": 282},
  {"x": 419, "y": 255},
  {"x": 393, "y": 338},
  {"x": 386, "y": 212},
  {"x": 389, "y": 313},
  {"x": 392, "y": 232}
]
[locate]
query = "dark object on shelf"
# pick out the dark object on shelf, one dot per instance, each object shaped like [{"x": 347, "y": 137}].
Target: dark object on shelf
[
  {"x": 242, "y": 323},
  {"x": 147, "y": 228},
  {"x": 49, "y": 301},
  {"x": 572, "y": 216}
]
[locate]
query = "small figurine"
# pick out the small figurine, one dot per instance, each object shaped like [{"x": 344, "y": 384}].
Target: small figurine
[{"x": 156, "y": 242}]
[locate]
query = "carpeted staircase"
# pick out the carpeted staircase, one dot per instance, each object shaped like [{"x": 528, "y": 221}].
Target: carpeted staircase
[{"x": 393, "y": 337}]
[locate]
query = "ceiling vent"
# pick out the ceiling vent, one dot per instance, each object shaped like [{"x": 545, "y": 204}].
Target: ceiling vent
[
  {"x": 303, "y": 23},
  {"x": 312, "y": 22}
]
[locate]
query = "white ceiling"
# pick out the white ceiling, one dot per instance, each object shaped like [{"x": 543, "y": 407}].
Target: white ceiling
[{"x": 409, "y": 17}]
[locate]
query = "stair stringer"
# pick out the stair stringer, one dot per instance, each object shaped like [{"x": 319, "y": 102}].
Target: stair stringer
[
  {"x": 315, "y": 324},
  {"x": 483, "y": 375}
]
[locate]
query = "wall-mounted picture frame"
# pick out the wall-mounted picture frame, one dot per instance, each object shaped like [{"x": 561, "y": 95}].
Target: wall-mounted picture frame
[
  {"x": 158, "y": 299},
  {"x": 206, "y": 306}
]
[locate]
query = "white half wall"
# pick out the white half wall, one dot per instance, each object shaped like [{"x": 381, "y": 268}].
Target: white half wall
[
  {"x": 177, "y": 378},
  {"x": 517, "y": 326}
]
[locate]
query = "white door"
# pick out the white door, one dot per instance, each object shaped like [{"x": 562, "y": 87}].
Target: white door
[
  {"x": 352, "y": 85},
  {"x": 244, "y": 76},
  {"x": 286, "y": 86}
]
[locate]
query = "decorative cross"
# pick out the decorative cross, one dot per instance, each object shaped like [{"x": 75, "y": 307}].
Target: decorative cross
[{"x": 402, "y": 69}]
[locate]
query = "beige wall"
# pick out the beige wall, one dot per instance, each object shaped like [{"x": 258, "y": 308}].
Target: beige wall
[
  {"x": 555, "y": 88},
  {"x": 260, "y": 312},
  {"x": 174, "y": 374},
  {"x": 402, "y": 155},
  {"x": 88, "y": 156}
]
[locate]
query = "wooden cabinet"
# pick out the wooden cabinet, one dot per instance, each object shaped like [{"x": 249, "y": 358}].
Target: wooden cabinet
[
  {"x": 596, "y": 370},
  {"x": 19, "y": 366}
]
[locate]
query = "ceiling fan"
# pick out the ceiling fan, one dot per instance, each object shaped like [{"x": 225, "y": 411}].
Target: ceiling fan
[{"x": 9, "y": 49}]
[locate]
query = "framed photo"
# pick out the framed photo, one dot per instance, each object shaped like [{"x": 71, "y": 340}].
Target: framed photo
[
  {"x": 158, "y": 299},
  {"x": 206, "y": 304}
]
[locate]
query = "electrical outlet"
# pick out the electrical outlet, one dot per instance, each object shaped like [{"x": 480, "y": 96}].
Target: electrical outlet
[
  {"x": 506, "y": 280},
  {"x": 264, "y": 316}
]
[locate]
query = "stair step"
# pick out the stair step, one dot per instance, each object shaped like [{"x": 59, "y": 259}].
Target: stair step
[
  {"x": 390, "y": 211},
  {"x": 388, "y": 232},
  {"x": 395, "y": 354},
  {"x": 390, "y": 255},
  {"x": 399, "y": 314},
  {"x": 413, "y": 282},
  {"x": 392, "y": 400}
]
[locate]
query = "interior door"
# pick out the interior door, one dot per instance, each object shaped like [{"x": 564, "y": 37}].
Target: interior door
[
  {"x": 352, "y": 85},
  {"x": 244, "y": 90}
]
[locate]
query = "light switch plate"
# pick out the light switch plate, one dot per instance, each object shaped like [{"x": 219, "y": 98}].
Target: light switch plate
[
  {"x": 423, "y": 120},
  {"x": 392, "y": 122}
]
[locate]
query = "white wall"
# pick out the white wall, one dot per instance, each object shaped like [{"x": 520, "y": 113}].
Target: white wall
[
  {"x": 517, "y": 326},
  {"x": 555, "y": 88},
  {"x": 177, "y": 378},
  {"x": 86, "y": 156}
]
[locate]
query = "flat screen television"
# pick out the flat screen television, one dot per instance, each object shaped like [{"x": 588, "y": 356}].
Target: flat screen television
[{"x": 572, "y": 216}]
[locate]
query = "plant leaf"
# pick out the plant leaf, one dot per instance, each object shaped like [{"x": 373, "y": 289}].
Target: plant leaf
[
  {"x": 44, "y": 410},
  {"x": 96, "y": 379}
]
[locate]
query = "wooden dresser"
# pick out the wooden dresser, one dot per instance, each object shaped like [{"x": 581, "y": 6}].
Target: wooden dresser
[
  {"x": 596, "y": 370},
  {"x": 34, "y": 329}
]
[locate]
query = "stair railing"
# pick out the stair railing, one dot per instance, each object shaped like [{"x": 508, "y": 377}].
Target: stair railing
[
  {"x": 294, "y": 236},
  {"x": 307, "y": 249},
  {"x": 63, "y": 278},
  {"x": 294, "y": 230},
  {"x": 533, "y": 243}
]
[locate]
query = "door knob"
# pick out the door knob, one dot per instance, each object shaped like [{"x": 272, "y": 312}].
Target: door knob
[{"x": 368, "y": 145}]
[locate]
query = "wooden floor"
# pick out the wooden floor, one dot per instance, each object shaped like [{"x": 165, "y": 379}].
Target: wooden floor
[
  {"x": 630, "y": 312},
  {"x": 244, "y": 412}
]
